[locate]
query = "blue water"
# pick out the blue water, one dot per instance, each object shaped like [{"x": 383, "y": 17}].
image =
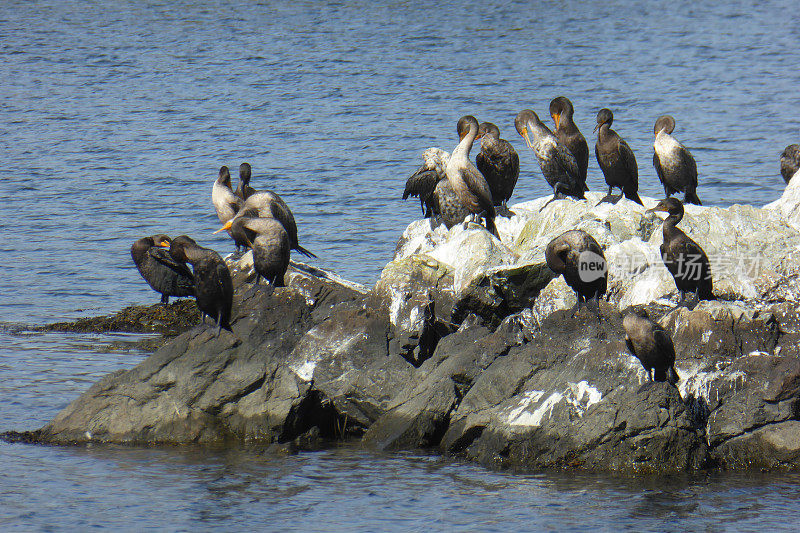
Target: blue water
[{"x": 115, "y": 117}]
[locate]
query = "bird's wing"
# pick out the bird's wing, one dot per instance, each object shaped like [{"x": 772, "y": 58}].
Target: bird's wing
[
  {"x": 629, "y": 344},
  {"x": 691, "y": 248},
  {"x": 514, "y": 168},
  {"x": 224, "y": 278},
  {"x": 688, "y": 162},
  {"x": 162, "y": 256},
  {"x": 477, "y": 183},
  {"x": 664, "y": 344},
  {"x": 657, "y": 165},
  {"x": 630, "y": 160},
  {"x": 421, "y": 183},
  {"x": 566, "y": 160}
]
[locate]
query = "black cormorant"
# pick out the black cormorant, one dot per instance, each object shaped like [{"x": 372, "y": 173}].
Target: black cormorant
[
  {"x": 616, "y": 159},
  {"x": 160, "y": 270},
  {"x": 498, "y": 162},
  {"x": 244, "y": 190},
  {"x": 213, "y": 286},
  {"x": 226, "y": 203},
  {"x": 651, "y": 344},
  {"x": 270, "y": 244},
  {"x": 558, "y": 164},
  {"x": 579, "y": 257},
  {"x": 567, "y": 132},
  {"x": 790, "y": 161},
  {"x": 684, "y": 258},
  {"x": 269, "y": 204}
]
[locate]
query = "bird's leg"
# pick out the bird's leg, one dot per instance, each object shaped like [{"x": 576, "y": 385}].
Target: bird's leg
[
  {"x": 593, "y": 304},
  {"x": 555, "y": 197},
  {"x": 609, "y": 197},
  {"x": 683, "y": 297},
  {"x": 578, "y": 305},
  {"x": 164, "y": 299},
  {"x": 666, "y": 192}
]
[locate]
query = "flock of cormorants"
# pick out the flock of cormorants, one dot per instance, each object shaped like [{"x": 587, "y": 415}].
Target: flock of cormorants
[{"x": 452, "y": 189}]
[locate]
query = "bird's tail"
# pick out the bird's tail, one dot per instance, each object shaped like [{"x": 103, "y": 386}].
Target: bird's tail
[
  {"x": 491, "y": 227},
  {"x": 706, "y": 291},
  {"x": 691, "y": 198},
  {"x": 305, "y": 252},
  {"x": 633, "y": 196},
  {"x": 672, "y": 376}
]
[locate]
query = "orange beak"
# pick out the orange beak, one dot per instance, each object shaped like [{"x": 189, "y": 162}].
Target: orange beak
[
  {"x": 557, "y": 119},
  {"x": 226, "y": 227},
  {"x": 527, "y": 139},
  {"x": 164, "y": 244}
]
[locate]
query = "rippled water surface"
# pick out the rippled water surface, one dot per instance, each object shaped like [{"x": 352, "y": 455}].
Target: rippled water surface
[{"x": 115, "y": 117}]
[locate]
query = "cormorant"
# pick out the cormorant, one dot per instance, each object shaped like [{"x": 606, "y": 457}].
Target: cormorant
[
  {"x": 651, "y": 344},
  {"x": 790, "y": 161},
  {"x": 579, "y": 257},
  {"x": 447, "y": 205},
  {"x": 616, "y": 159},
  {"x": 568, "y": 133},
  {"x": 226, "y": 203},
  {"x": 423, "y": 182},
  {"x": 674, "y": 164},
  {"x": 559, "y": 166},
  {"x": 498, "y": 162},
  {"x": 270, "y": 244},
  {"x": 213, "y": 286},
  {"x": 244, "y": 190},
  {"x": 467, "y": 182},
  {"x": 160, "y": 270},
  {"x": 269, "y": 204},
  {"x": 684, "y": 258}
]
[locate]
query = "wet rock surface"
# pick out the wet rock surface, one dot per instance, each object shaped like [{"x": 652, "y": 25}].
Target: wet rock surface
[{"x": 479, "y": 362}]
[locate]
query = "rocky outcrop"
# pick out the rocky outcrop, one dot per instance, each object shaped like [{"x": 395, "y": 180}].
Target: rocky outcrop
[
  {"x": 753, "y": 254},
  {"x": 302, "y": 357},
  {"x": 464, "y": 346}
]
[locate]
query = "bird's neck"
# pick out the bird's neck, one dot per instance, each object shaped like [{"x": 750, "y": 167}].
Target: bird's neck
[
  {"x": 539, "y": 130},
  {"x": 465, "y": 145},
  {"x": 566, "y": 124},
  {"x": 671, "y": 223}
]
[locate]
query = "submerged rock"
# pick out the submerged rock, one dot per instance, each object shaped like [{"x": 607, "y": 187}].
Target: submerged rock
[{"x": 171, "y": 320}]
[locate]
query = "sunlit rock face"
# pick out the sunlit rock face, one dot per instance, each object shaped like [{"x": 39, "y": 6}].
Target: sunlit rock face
[
  {"x": 753, "y": 253},
  {"x": 788, "y": 205}
]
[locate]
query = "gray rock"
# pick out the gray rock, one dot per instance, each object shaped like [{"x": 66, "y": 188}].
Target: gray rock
[{"x": 301, "y": 357}]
